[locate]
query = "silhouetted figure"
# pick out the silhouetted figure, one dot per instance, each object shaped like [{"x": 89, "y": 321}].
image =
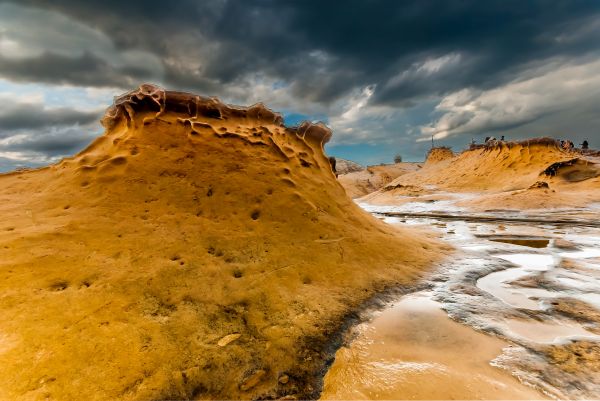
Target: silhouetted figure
[
  {"x": 332, "y": 161},
  {"x": 502, "y": 139},
  {"x": 585, "y": 145}
]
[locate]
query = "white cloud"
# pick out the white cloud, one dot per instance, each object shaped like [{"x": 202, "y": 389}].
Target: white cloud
[
  {"x": 356, "y": 120},
  {"x": 586, "y": 28},
  {"x": 565, "y": 88},
  {"x": 351, "y": 116},
  {"x": 357, "y": 103},
  {"x": 20, "y": 157},
  {"x": 434, "y": 65},
  {"x": 53, "y": 96},
  {"x": 426, "y": 68}
]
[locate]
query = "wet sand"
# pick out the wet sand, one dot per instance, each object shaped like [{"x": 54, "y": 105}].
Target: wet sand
[
  {"x": 413, "y": 350},
  {"x": 515, "y": 315}
]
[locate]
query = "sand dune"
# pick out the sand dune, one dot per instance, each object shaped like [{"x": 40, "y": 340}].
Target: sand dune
[
  {"x": 195, "y": 250},
  {"x": 509, "y": 175}
]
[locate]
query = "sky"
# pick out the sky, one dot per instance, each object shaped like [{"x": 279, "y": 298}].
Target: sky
[{"x": 386, "y": 76}]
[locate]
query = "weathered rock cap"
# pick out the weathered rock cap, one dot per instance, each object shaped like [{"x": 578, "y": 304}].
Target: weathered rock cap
[{"x": 152, "y": 98}]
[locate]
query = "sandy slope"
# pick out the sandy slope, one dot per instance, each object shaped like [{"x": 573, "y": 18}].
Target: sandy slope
[
  {"x": 373, "y": 178},
  {"x": 195, "y": 250},
  {"x": 532, "y": 174}
]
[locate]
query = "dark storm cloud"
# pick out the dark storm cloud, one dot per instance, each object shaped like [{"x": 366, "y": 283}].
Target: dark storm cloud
[
  {"x": 61, "y": 142},
  {"x": 30, "y": 116},
  {"x": 85, "y": 70},
  {"x": 33, "y": 135},
  {"x": 382, "y": 71},
  {"x": 325, "y": 49}
]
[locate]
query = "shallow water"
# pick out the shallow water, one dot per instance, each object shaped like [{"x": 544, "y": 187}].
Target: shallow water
[
  {"x": 548, "y": 333},
  {"x": 487, "y": 320},
  {"x": 413, "y": 350},
  {"x": 498, "y": 284}
]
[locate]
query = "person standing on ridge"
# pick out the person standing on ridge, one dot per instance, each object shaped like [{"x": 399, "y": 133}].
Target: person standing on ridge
[{"x": 585, "y": 145}]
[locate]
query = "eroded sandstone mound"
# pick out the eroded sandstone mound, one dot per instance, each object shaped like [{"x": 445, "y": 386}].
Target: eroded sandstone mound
[
  {"x": 195, "y": 250},
  {"x": 501, "y": 166},
  {"x": 534, "y": 173}
]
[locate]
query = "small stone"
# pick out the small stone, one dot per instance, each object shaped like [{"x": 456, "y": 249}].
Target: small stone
[
  {"x": 253, "y": 380},
  {"x": 564, "y": 244},
  {"x": 228, "y": 339},
  {"x": 283, "y": 379},
  {"x": 540, "y": 185}
]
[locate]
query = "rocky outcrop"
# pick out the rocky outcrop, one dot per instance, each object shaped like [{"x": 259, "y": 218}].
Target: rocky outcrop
[
  {"x": 344, "y": 166},
  {"x": 436, "y": 155}
]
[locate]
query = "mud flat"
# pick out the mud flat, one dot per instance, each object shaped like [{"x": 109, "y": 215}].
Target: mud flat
[{"x": 515, "y": 315}]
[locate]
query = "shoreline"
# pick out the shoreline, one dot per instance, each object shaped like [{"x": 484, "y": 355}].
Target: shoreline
[
  {"x": 360, "y": 314},
  {"x": 414, "y": 350}
]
